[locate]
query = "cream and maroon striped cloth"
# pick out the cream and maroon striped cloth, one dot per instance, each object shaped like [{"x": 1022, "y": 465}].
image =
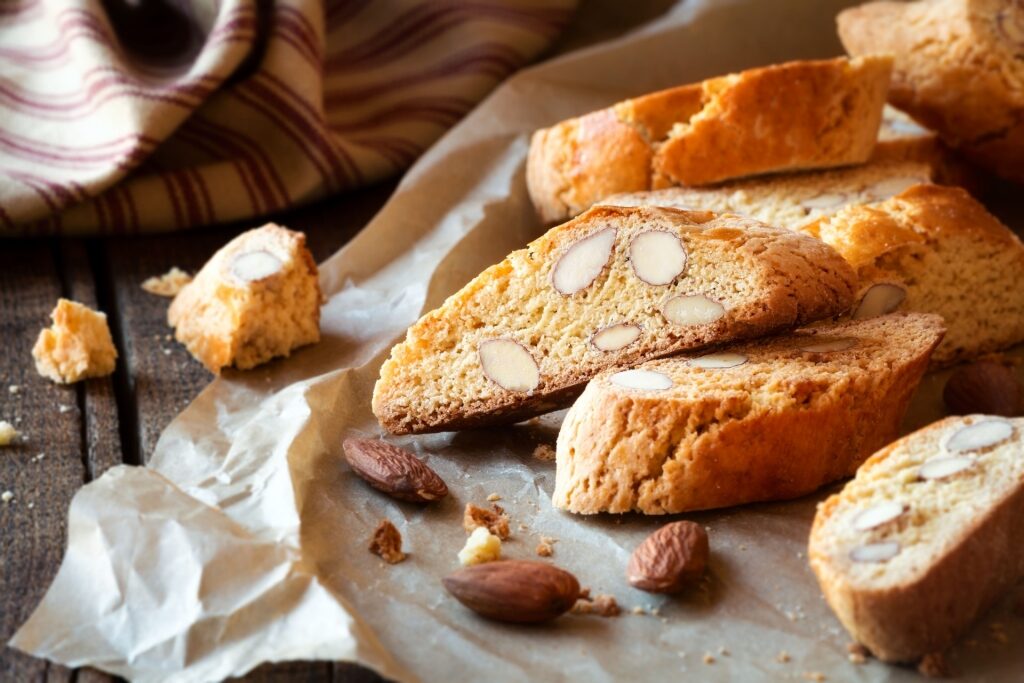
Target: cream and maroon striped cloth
[{"x": 125, "y": 116}]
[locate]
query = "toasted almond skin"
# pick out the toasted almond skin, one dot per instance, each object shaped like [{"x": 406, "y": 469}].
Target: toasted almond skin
[
  {"x": 984, "y": 387},
  {"x": 394, "y": 470},
  {"x": 670, "y": 559},
  {"x": 518, "y": 591}
]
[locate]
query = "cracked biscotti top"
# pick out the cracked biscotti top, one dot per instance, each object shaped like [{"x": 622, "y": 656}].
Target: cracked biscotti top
[
  {"x": 956, "y": 69},
  {"x": 798, "y": 115},
  {"x": 766, "y": 419},
  {"x": 613, "y": 287},
  {"x": 935, "y": 249},
  {"x": 926, "y": 536},
  {"x": 790, "y": 200}
]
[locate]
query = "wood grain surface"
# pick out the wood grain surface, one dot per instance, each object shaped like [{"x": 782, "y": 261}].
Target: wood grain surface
[{"x": 72, "y": 434}]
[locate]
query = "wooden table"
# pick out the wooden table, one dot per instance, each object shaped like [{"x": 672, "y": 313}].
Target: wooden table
[{"x": 74, "y": 433}]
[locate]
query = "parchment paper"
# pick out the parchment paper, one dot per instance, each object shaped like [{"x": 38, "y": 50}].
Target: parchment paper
[{"x": 245, "y": 539}]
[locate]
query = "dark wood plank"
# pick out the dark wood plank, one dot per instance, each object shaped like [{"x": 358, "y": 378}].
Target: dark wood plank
[{"x": 33, "y": 523}]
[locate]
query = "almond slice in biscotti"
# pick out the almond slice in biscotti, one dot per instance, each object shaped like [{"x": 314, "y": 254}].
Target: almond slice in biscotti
[
  {"x": 784, "y": 117},
  {"x": 758, "y": 420},
  {"x": 612, "y": 288},
  {"x": 257, "y": 298},
  {"x": 791, "y": 200},
  {"x": 934, "y": 249},
  {"x": 955, "y": 544}
]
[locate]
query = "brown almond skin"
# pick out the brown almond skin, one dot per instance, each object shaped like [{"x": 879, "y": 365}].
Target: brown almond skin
[
  {"x": 670, "y": 559},
  {"x": 394, "y": 470},
  {"x": 517, "y": 591},
  {"x": 984, "y": 387}
]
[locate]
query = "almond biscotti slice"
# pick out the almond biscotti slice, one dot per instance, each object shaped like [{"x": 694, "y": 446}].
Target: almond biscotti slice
[
  {"x": 957, "y": 69},
  {"x": 926, "y": 537},
  {"x": 790, "y": 200},
  {"x": 255, "y": 299},
  {"x": 613, "y": 287},
  {"x": 798, "y": 115},
  {"x": 935, "y": 249},
  {"x": 763, "y": 420}
]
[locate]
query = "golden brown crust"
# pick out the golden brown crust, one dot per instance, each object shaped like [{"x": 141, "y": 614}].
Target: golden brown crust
[
  {"x": 798, "y": 115},
  {"x": 704, "y": 446},
  {"x": 767, "y": 279},
  {"x": 902, "y": 620},
  {"x": 951, "y": 255},
  {"x": 956, "y": 71}
]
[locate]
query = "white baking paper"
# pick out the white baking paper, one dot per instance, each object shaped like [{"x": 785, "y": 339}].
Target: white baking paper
[{"x": 245, "y": 540}]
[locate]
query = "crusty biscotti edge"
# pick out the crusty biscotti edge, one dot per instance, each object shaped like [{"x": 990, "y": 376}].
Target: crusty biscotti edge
[
  {"x": 840, "y": 284},
  {"x": 858, "y": 424},
  {"x": 913, "y": 619}
]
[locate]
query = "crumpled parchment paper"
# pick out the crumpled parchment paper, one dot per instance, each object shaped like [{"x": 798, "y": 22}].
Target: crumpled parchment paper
[{"x": 244, "y": 540}]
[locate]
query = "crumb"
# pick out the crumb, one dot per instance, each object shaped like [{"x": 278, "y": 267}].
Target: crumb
[
  {"x": 544, "y": 452},
  {"x": 6, "y": 497},
  {"x": 7, "y": 433},
  {"x": 584, "y": 593},
  {"x": 783, "y": 657},
  {"x": 857, "y": 653},
  {"x": 494, "y": 497},
  {"x": 546, "y": 547},
  {"x": 77, "y": 346},
  {"x": 743, "y": 546},
  {"x": 856, "y": 658},
  {"x": 638, "y": 610},
  {"x": 14, "y": 388},
  {"x": 64, "y": 408},
  {"x": 723, "y": 651},
  {"x": 709, "y": 658},
  {"x": 387, "y": 543},
  {"x": 934, "y": 666},
  {"x": 167, "y": 352},
  {"x": 495, "y": 521},
  {"x": 31, "y": 505},
  {"x": 168, "y": 284},
  {"x": 816, "y": 676},
  {"x": 481, "y": 546},
  {"x": 600, "y": 605},
  {"x": 656, "y": 611},
  {"x": 523, "y": 527},
  {"x": 682, "y": 654}
]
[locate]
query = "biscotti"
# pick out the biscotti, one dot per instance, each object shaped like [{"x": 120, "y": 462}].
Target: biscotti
[
  {"x": 77, "y": 346},
  {"x": 957, "y": 70},
  {"x": 764, "y": 420},
  {"x": 790, "y": 200},
  {"x": 937, "y": 250},
  {"x": 255, "y": 299},
  {"x": 926, "y": 537},
  {"x": 900, "y": 138},
  {"x": 615, "y": 286},
  {"x": 798, "y": 115}
]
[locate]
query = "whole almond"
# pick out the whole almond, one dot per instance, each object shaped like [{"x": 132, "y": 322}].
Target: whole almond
[
  {"x": 671, "y": 558},
  {"x": 984, "y": 387},
  {"x": 394, "y": 470},
  {"x": 519, "y": 591}
]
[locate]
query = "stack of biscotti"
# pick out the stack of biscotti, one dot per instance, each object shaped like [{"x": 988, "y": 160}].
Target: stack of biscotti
[
  {"x": 926, "y": 537},
  {"x": 763, "y": 420},
  {"x": 798, "y": 115},
  {"x": 612, "y": 288},
  {"x": 935, "y": 249}
]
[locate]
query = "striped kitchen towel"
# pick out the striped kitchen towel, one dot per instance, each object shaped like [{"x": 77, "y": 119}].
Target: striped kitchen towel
[{"x": 125, "y": 116}]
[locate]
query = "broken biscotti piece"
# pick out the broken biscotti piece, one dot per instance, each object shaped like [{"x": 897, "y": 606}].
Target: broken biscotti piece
[
  {"x": 790, "y": 200},
  {"x": 911, "y": 552},
  {"x": 764, "y": 420},
  {"x": 614, "y": 287},
  {"x": 798, "y": 115},
  {"x": 255, "y": 299},
  {"x": 937, "y": 250},
  {"x": 956, "y": 69},
  {"x": 77, "y": 346}
]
